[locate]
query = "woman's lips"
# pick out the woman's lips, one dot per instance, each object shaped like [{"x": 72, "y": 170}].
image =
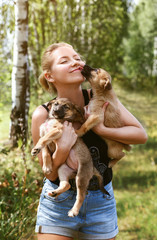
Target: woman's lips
[{"x": 77, "y": 69}]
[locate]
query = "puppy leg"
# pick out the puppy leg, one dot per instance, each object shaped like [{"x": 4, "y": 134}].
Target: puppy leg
[
  {"x": 89, "y": 123},
  {"x": 115, "y": 152},
  {"x": 113, "y": 162},
  {"x": 45, "y": 140},
  {"x": 120, "y": 154},
  {"x": 82, "y": 181},
  {"x": 47, "y": 160},
  {"x": 64, "y": 173}
]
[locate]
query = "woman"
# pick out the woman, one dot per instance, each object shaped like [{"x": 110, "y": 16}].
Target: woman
[{"x": 97, "y": 219}]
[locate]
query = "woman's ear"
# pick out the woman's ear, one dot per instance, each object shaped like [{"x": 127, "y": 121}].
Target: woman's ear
[{"x": 49, "y": 77}]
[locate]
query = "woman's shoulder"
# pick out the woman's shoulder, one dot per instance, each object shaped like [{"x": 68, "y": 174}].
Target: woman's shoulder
[{"x": 40, "y": 113}]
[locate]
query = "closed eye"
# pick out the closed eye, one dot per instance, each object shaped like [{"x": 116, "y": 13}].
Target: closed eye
[{"x": 64, "y": 62}]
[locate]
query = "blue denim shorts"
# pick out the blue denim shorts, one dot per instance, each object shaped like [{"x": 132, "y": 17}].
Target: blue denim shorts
[{"x": 97, "y": 218}]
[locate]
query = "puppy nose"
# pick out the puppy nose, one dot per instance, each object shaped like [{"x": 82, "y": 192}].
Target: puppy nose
[{"x": 59, "y": 111}]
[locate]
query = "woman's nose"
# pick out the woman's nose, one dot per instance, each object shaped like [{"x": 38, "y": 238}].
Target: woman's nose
[
  {"x": 75, "y": 62},
  {"x": 78, "y": 63},
  {"x": 82, "y": 64}
]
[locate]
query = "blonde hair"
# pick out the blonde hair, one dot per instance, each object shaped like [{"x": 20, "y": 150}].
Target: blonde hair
[{"x": 46, "y": 64}]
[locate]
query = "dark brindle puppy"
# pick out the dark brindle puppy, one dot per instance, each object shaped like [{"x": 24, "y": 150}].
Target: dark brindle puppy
[
  {"x": 103, "y": 92},
  {"x": 63, "y": 110}
]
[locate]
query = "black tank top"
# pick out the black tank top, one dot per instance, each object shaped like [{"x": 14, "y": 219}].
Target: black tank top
[{"x": 97, "y": 147}]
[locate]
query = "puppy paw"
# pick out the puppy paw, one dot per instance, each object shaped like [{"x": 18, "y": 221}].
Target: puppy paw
[
  {"x": 111, "y": 164},
  {"x": 53, "y": 194},
  {"x": 73, "y": 212},
  {"x": 35, "y": 151},
  {"x": 79, "y": 132}
]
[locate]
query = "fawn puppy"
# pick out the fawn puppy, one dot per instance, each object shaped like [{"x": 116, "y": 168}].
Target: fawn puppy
[
  {"x": 100, "y": 81},
  {"x": 63, "y": 110}
]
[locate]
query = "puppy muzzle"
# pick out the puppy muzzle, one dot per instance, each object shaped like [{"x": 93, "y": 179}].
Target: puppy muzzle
[
  {"x": 87, "y": 71},
  {"x": 58, "y": 112}
]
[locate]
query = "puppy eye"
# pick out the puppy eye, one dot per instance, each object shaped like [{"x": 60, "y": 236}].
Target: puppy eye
[
  {"x": 66, "y": 107},
  {"x": 56, "y": 103}
]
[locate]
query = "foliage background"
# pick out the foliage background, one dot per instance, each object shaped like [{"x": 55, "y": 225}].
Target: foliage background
[{"x": 118, "y": 36}]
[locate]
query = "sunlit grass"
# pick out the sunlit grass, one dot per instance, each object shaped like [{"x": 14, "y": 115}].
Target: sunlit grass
[
  {"x": 135, "y": 177},
  {"x": 137, "y": 213}
]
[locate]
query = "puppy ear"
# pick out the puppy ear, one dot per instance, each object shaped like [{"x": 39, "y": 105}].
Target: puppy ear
[
  {"x": 106, "y": 83},
  {"x": 51, "y": 102},
  {"x": 81, "y": 113}
]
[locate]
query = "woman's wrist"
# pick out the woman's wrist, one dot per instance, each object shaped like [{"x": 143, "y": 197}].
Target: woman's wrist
[
  {"x": 63, "y": 150},
  {"x": 99, "y": 129},
  {"x": 59, "y": 156},
  {"x": 125, "y": 134}
]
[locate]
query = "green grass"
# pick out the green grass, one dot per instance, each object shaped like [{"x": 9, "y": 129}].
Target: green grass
[
  {"x": 135, "y": 177},
  {"x": 19, "y": 193},
  {"x": 19, "y": 196},
  {"x": 135, "y": 180}
]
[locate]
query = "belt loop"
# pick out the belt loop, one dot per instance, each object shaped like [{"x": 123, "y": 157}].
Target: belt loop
[
  {"x": 40, "y": 227},
  {"x": 44, "y": 180},
  {"x": 104, "y": 195}
]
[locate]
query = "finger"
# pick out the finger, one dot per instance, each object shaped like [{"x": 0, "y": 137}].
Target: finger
[
  {"x": 70, "y": 124},
  {"x": 88, "y": 111},
  {"x": 105, "y": 105},
  {"x": 85, "y": 108},
  {"x": 65, "y": 123}
]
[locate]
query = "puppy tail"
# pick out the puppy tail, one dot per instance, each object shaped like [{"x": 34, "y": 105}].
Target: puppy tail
[{"x": 100, "y": 180}]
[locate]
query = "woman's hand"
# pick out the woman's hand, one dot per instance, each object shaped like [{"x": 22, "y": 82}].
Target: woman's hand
[
  {"x": 64, "y": 144},
  {"x": 68, "y": 137}
]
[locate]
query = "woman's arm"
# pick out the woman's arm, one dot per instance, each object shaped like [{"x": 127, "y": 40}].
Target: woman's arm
[
  {"x": 63, "y": 145},
  {"x": 131, "y": 133}
]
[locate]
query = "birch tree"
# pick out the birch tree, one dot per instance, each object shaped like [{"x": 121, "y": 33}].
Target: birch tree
[{"x": 20, "y": 79}]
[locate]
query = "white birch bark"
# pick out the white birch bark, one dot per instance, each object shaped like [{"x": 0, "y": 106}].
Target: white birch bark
[
  {"x": 154, "y": 73},
  {"x": 20, "y": 81}
]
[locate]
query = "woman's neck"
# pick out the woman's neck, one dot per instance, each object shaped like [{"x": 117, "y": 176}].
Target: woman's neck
[{"x": 75, "y": 95}]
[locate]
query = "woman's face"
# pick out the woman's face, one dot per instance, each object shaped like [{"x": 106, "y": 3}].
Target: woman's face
[{"x": 66, "y": 67}]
